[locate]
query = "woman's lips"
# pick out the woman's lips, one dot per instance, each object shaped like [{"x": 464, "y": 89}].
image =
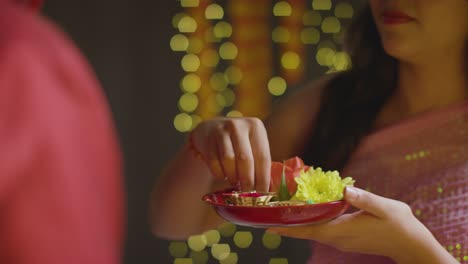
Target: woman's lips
[{"x": 391, "y": 17}]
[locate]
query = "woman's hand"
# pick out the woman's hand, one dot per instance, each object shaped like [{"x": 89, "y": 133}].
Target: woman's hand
[
  {"x": 236, "y": 150},
  {"x": 383, "y": 227}
]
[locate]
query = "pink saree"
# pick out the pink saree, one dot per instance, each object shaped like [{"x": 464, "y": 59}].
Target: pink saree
[{"x": 423, "y": 162}]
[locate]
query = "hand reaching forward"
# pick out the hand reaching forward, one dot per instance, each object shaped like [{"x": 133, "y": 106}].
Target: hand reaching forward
[
  {"x": 382, "y": 227},
  {"x": 235, "y": 149}
]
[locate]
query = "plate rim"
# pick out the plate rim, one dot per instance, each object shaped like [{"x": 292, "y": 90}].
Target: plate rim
[{"x": 206, "y": 199}]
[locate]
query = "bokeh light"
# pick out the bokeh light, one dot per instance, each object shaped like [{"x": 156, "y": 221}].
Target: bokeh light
[
  {"x": 214, "y": 11},
  {"x": 183, "y": 122},
  {"x": 243, "y": 239},
  {"x": 227, "y": 229},
  {"x": 222, "y": 30},
  {"x": 228, "y": 51},
  {"x": 230, "y": 97},
  {"x": 221, "y": 100},
  {"x": 271, "y": 241},
  {"x": 178, "y": 249},
  {"x": 187, "y": 24},
  {"x": 176, "y": 19},
  {"x": 280, "y": 34},
  {"x": 325, "y": 56},
  {"x": 341, "y": 61},
  {"x": 191, "y": 83},
  {"x": 212, "y": 237},
  {"x": 189, "y": 3},
  {"x": 196, "y": 119},
  {"x": 218, "y": 82},
  {"x": 321, "y": 4},
  {"x": 195, "y": 45},
  {"x": 310, "y": 35},
  {"x": 190, "y": 63},
  {"x": 344, "y": 10},
  {"x": 197, "y": 242},
  {"x": 226, "y": 98},
  {"x": 282, "y": 8},
  {"x": 232, "y": 258},
  {"x": 233, "y": 75},
  {"x": 179, "y": 42},
  {"x": 331, "y": 25},
  {"x": 277, "y": 86},
  {"x": 220, "y": 251},
  {"x": 188, "y": 102},
  {"x": 199, "y": 257},
  {"x": 183, "y": 261},
  {"x": 312, "y": 18},
  {"x": 290, "y": 60}
]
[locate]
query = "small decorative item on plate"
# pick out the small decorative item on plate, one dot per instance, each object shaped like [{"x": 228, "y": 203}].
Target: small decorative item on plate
[
  {"x": 248, "y": 198},
  {"x": 298, "y": 195},
  {"x": 286, "y": 203}
]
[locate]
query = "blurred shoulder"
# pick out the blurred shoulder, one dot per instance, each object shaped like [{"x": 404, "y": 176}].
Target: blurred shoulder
[
  {"x": 19, "y": 26},
  {"x": 35, "y": 50},
  {"x": 22, "y": 30}
]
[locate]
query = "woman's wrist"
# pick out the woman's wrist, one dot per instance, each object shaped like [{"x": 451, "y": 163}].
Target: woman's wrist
[
  {"x": 429, "y": 254},
  {"x": 423, "y": 247}
]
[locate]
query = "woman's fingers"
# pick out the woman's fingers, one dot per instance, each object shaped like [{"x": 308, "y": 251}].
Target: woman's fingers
[
  {"x": 215, "y": 167},
  {"x": 211, "y": 158},
  {"x": 236, "y": 149},
  {"x": 227, "y": 156},
  {"x": 376, "y": 205},
  {"x": 366, "y": 201},
  {"x": 244, "y": 156},
  {"x": 261, "y": 155}
]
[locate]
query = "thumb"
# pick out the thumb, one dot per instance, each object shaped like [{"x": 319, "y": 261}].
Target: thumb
[{"x": 369, "y": 202}]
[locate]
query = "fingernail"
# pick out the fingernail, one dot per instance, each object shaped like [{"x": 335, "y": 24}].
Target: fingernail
[{"x": 351, "y": 193}]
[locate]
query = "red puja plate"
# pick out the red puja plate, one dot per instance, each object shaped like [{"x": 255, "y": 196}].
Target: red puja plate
[{"x": 268, "y": 216}]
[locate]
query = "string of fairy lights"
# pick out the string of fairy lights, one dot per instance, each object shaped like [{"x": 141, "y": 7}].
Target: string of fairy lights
[
  {"x": 237, "y": 56},
  {"x": 215, "y": 70}
]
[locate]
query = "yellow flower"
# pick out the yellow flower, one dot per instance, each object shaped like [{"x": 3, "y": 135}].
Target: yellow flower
[{"x": 317, "y": 186}]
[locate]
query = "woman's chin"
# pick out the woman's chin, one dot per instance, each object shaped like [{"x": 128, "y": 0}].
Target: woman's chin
[{"x": 399, "y": 50}]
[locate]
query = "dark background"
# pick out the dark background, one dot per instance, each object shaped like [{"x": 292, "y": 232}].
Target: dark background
[{"x": 127, "y": 45}]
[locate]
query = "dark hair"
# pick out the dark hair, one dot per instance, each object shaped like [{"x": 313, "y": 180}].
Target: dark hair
[{"x": 351, "y": 101}]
